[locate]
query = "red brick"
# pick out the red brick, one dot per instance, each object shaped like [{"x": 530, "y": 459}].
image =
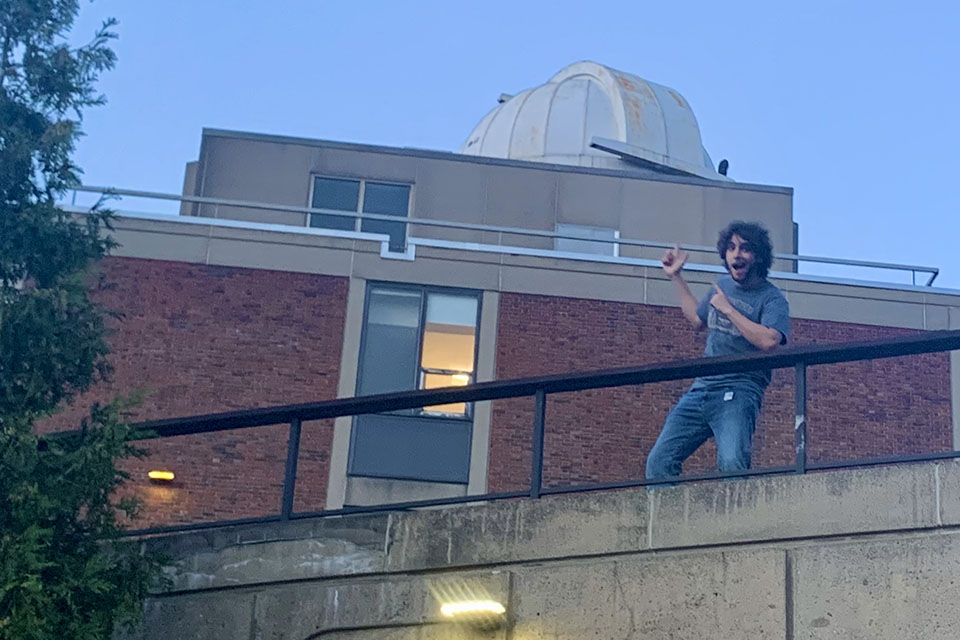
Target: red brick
[
  {"x": 856, "y": 410},
  {"x": 201, "y": 339}
]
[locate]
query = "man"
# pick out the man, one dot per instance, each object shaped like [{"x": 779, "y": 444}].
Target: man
[{"x": 743, "y": 312}]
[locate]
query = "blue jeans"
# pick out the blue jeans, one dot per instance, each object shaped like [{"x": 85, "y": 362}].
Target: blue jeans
[{"x": 727, "y": 413}]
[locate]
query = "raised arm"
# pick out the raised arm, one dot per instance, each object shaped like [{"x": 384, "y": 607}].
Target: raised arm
[{"x": 673, "y": 261}]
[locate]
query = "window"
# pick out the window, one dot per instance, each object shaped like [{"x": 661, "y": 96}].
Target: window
[
  {"x": 416, "y": 338},
  {"x": 449, "y": 342},
  {"x": 588, "y": 244},
  {"x": 342, "y": 194},
  {"x": 419, "y": 339}
]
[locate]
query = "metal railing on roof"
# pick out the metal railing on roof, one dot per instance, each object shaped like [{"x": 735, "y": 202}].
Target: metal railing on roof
[
  {"x": 216, "y": 203},
  {"x": 799, "y": 357}
]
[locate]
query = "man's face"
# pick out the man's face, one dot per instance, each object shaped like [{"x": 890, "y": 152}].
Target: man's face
[{"x": 739, "y": 259}]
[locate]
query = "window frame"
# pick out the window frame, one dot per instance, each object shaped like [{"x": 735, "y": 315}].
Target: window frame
[
  {"x": 425, "y": 290},
  {"x": 358, "y": 218},
  {"x": 572, "y": 227}
]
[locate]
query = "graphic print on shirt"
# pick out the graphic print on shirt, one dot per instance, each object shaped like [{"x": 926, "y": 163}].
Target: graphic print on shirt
[{"x": 717, "y": 321}]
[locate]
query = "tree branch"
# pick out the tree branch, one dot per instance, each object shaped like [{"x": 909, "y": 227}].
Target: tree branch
[{"x": 4, "y": 63}]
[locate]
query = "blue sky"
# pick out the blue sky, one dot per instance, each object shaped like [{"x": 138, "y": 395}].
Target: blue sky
[{"x": 853, "y": 104}]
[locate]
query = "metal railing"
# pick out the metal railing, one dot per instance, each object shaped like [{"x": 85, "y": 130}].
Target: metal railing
[
  {"x": 799, "y": 358},
  {"x": 216, "y": 203}
]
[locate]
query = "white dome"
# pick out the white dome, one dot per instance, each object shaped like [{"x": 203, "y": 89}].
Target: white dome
[{"x": 585, "y": 103}]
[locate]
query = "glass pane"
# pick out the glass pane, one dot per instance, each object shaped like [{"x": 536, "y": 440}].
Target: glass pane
[
  {"x": 336, "y": 194},
  {"x": 449, "y": 340},
  {"x": 386, "y": 199},
  {"x": 436, "y": 380},
  {"x": 585, "y": 246},
  {"x": 449, "y": 337},
  {"x": 389, "y": 358},
  {"x": 427, "y": 448},
  {"x": 389, "y": 200},
  {"x": 394, "y": 307},
  {"x": 445, "y": 308}
]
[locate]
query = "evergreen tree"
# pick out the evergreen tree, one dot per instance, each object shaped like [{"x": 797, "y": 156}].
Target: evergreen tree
[{"x": 64, "y": 570}]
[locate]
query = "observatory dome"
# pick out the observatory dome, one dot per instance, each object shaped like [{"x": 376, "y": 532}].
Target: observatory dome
[{"x": 593, "y": 116}]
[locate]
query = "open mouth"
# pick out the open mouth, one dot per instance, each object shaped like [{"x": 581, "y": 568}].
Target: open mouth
[{"x": 738, "y": 270}]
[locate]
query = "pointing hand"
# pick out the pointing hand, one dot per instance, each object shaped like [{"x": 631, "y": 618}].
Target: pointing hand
[
  {"x": 673, "y": 261},
  {"x": 720, "y": 302}
]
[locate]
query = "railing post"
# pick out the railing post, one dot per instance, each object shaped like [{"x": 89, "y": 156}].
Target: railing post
[
  {"x": 290, "y": 474},
  {"x": 539, "y": 419},
  {"x": 800, "y": 424}
]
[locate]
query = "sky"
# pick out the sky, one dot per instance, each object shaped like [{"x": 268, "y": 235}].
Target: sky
[{"x": 853, "y": 104}]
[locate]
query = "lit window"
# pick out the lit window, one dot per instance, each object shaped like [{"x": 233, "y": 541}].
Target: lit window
[
  {"x": 449, "y": 339},
  {"x": 341, "y": 194}
]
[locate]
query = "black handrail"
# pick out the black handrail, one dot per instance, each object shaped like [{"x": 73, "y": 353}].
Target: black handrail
[
  {"x": 798, "y": 357},
  {"x": 927, "y": 342}
]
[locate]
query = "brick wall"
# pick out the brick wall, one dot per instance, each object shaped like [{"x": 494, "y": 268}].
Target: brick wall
[
  {"x": 200, "y": 339},
  {"x": 890, "y": 406}
]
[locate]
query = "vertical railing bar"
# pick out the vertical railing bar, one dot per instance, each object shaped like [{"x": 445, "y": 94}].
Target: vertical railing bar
[
  {"x": 290, "y": 473},
  {"x": 539, "y": 421},
  {"x": 800, "y": 423}
]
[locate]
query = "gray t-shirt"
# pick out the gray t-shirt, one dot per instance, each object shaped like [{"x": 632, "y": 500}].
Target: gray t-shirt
[{"x": 763, "y": 304}]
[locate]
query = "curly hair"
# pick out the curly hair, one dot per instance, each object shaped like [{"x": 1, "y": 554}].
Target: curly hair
[{"x": 758, "y": 239}]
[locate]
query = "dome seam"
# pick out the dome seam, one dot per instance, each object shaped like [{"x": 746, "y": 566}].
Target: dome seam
[
  {"x": 483, "y": 136},
  {"x": 546, "y": 125},
  {"x": 513, "y": 125},
  {"x": 663, "y": 118}
]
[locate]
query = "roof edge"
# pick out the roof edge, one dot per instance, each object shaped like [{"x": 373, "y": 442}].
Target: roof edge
[{"x": 638, "y": 174}]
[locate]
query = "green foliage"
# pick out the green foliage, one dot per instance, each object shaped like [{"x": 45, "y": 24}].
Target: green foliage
[
  {"x": 58, "y": 578},
  {"x": 64, "y": 571}
]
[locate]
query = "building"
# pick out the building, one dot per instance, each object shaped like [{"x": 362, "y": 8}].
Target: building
[{"x": 302, "y": 270}]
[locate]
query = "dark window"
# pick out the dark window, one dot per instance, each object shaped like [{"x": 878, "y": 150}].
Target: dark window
[
  {"x": 391, "y": 338},
  {"x": 340, "y": 194},
  {"x": 387, "y": 200}
]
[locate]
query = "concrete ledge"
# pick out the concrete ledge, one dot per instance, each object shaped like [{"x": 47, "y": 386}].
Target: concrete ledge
[
  {"x": 277, "y": 551},
  {"x": 551, "y": 527},
  {"x": 779, "y": 507},
  {"x": 761, "y": 509},
  {"x": 861, "y": 553}
]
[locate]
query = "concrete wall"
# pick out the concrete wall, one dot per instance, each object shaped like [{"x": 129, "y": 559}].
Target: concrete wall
[
  {"x": 866, "y": 553},
  {"x": 460, "y": 188}
]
